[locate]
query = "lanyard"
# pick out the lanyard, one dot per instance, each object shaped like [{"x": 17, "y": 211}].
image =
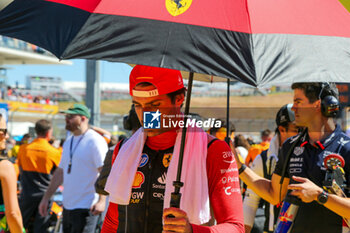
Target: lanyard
[{"x": 71, "y": 152}]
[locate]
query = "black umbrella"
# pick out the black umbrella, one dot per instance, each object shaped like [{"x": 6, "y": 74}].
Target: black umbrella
[{"x": 250, "y": 41}]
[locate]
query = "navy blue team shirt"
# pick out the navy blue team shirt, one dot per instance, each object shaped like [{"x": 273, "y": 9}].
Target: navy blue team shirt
[{"x": 306, "y": 161}]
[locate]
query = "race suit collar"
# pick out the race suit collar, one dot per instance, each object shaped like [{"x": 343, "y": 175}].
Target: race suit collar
[
  {"x": 322, "y": 144},
  {"x": 162, "y": 141}
]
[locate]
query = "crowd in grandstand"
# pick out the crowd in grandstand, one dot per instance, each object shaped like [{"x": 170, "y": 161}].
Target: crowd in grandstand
[
  {"x": 136, "y": 172},
  {"x": 21, "y": 45},
  {"x": 14, "y": 94}
]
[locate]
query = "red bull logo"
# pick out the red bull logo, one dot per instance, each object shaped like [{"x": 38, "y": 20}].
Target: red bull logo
[{"x": 286, "y": 218}]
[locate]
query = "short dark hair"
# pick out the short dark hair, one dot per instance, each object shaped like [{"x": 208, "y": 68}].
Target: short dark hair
[
  {"x": 240, "y": 140},
  {"x": 316, "y": 90},
  {"x": 266, "y": 133},
  {"x": 42, "y": 127},
  {"x": 131, "y": 121},
  {"x": 213, "y": 130},
  {"x": 173, "y": 95}
]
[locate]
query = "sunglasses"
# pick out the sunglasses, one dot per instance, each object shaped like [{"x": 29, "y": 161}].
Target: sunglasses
[{"x": 71, "y": 116}]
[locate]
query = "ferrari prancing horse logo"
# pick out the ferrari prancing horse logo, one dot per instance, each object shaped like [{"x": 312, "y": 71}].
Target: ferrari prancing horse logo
[
  {"x": 167, "y": 159},
  {"x": 177, "y": 7},
  {"x": 346, "y": 4}
]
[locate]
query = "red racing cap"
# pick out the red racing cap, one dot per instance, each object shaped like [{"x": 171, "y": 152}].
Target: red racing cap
[{"x": 165, "y": 80}]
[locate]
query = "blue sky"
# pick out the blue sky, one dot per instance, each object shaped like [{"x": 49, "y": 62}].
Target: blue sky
[{"x": 109, "y": 72}]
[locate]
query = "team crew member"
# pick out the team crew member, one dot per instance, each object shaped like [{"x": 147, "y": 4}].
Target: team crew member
[
  {"x": 82, "y": 160},
  {"x": 144, "y": 167},
  {"x": 264, "y": 165},
  {"x": 319, "y": 212},
  {"x": 37, "y": 161}
]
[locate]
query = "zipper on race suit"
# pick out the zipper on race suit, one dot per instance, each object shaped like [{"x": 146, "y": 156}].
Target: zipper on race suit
[{"x": 148, "y": 189}]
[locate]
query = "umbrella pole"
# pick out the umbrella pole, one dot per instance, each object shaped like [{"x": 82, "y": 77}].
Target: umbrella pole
[
  {"x": 227, "y": 138},
  {"x": 176, "y": 195}
]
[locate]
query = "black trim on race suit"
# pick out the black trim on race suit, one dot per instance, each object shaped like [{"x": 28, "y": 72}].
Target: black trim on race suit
[{"x": 148, "y": 196}]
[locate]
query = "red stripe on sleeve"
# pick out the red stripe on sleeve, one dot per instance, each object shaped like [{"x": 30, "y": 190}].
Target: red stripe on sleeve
[{"x": 110, "y": 223}]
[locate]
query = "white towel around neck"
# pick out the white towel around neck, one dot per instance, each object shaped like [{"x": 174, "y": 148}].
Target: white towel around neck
[{"x": 195, "y": 193}]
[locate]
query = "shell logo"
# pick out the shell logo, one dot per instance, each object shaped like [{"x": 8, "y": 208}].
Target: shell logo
[
  {"x": 177, "y": 7},
  {"x": 346, "y": 4},
  {"x": 138, "y": 180}
]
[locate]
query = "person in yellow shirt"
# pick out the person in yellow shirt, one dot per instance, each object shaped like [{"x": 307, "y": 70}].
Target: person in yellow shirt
[
  {"x": 37, "y": 161},
  {"x": 25, "y": 140},
  {"x": 221, "y": 133}
]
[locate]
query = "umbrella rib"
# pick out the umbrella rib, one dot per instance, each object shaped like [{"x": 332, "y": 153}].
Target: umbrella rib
[
  {"x": 165, "y": 47},
  {"x": 252, "y": 49}
]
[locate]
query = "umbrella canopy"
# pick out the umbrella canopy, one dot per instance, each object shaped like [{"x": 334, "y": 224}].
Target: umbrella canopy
[{"x": 253, "y": 41}]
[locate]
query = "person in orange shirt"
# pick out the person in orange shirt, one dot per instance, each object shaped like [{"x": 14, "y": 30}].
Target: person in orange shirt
[
  {"x": 256, "y": 150},
  {"x": 36, "y": 161}
]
